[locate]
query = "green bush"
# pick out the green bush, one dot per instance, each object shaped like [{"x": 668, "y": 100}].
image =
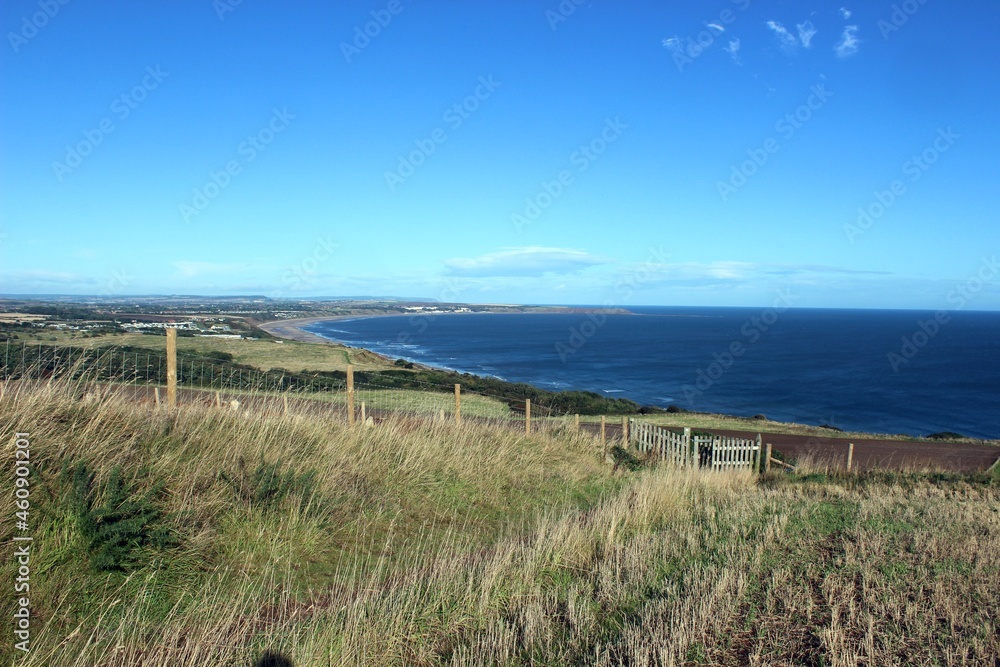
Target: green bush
[
  {"x": 623, "y": 459},
  {"x": 123, "y": 527}
]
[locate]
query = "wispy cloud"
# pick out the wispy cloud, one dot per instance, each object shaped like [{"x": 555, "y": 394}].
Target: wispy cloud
[
  {"x": 789, "y": 42},
  {"x": 673, "y": 43},
  {"x": 527, "y": 261},
  {"x": 716, "y": 26},
  {"x": 806, "y": 33},
  {"x": 798, "y": 269},
  {"x": 29, "y": 279},
  {"x": 734, "y": 51},
  {"x": 848, "y": 44},
  {"x": 739, "y": 275},
  {"x": 845, "y": 12},
  {"x": 786, "y": 40}
]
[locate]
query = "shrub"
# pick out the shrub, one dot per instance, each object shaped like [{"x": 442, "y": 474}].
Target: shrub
[
  {"x": 123, "y": 526},
  {"x": 623, "y": 459}
]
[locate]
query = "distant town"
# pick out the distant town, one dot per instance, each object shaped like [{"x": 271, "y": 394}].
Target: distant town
[{"x": 218, "y": 317}]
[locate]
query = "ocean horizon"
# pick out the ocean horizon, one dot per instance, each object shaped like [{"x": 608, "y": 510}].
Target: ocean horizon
[{"x": 882, "y": 371}]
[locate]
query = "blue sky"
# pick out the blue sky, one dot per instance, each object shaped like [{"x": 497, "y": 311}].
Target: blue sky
[{"x": 696, "y": 153}]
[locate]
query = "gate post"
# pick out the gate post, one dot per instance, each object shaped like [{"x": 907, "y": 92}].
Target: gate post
[{"x": 691, "y": 454}]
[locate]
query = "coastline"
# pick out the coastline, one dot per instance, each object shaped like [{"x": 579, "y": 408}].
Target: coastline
[{"x": 292, "y": 329}]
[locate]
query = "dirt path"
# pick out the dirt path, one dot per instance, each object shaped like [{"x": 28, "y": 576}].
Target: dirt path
[{"x": 868, "y": 453}]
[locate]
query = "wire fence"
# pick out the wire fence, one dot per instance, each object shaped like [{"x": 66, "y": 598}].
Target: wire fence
[{"x": 228, "y": 383}]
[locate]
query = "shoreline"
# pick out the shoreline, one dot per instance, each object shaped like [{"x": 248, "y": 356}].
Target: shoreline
[{"x": 291, "y": 329}]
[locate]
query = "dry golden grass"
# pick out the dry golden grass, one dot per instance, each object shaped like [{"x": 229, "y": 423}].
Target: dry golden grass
[{"x": 427, "y": 544}]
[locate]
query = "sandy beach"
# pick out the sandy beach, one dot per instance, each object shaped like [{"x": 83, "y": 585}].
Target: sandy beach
[{"x": 292, "y": 329}]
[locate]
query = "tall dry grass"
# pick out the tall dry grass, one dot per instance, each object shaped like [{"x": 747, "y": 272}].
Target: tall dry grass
[{"x": 427, "y": 544}]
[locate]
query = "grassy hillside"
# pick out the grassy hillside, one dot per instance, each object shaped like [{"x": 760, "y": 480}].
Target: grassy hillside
[
  {"x": 209, "y": 537},
  {"x": 263, "y": 354}
]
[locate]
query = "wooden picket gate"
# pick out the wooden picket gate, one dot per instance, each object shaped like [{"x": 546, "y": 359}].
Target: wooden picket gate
[
  {"x": 664, "y": 444},
  {"x": 685, "y": 450}
]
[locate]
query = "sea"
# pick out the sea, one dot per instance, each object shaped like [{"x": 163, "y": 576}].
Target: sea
[{"x": 883, "y": 371}]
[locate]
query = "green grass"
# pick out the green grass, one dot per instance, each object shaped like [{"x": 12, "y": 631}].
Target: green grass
[
  {"x": 403, "y": 401},
  {"x": 422, "y": 543},
  {"x": 262, "y": 354}
]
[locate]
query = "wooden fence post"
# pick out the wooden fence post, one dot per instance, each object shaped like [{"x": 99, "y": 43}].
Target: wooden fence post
[
  {"x": 527, "y": 416},
  {"x": 625, "y": 431},
  {"x": 850, "y": 455},
  {"x": 604, "y": 435},
  {"x": 171, "y": 368},
  {"x": 767, "y": 459},
  {"x": 691, "y": 454},
  {"x": 363, "y": 412},
  {"x": 458, "y": 404},
  {"x": 350, "y": 395},
  {"x": 156, "y": 395},
  {"x": 284, "y": 400},
  {"x": 760, "y": 451},
  {"x": 218, "y": 399}
]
